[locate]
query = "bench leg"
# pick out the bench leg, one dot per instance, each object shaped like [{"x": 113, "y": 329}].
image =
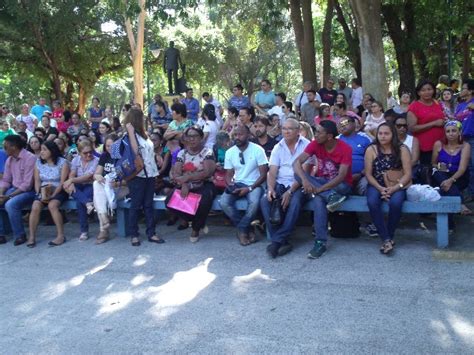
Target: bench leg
[
  {"x": 442, "y": 233},
  {"x": 121, "y": 222}
]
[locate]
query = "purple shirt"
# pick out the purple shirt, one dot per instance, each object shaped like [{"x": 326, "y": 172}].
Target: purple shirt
[
  {"x": 19, "y": 171},
  {"x": 80, "y": 169}
]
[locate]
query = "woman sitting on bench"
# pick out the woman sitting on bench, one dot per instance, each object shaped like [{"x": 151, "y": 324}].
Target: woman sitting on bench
[{"x": 450, "y": 162}]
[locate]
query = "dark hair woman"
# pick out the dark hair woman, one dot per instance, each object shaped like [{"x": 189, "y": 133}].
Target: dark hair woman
[
  {"x": 142, "y": 185},
  {"x": 179, "y": 124},
  {"x": 450, "y": 165},
  {"x": 388, "y": 172},
  {"x": 193, "y": 171},
  {"x": 51, "y": 171},
  {"x": 34, "y": 145}
]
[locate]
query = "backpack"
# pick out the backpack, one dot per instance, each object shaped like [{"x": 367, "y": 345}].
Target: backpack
[
  {"x": 127, "y": 163},
  {"x": 344, "y": 224}
]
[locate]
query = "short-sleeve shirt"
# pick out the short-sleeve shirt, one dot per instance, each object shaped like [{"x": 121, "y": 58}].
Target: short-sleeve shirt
[
  {"x": 268, "y": 146},
  {"x": 283, "y": 158},
  {"x": 328, "y": 96},
  {"x": 426, "y": 114},
  {"x": 107, "y": 163},
  {"x": 359, "y": 143},
  {"x": 93, "y": 113},
  {"x": 39, "y": 110},
  {"x": 211, "y": 128},
  {"x": 29, "y": 121},
  {"x": 175, "y": 126},
  {"x": 193, "y": 163},
  {"x": 50, "y": 175},
  {"x": 328, "y": 163},
  {"x": 253, "y": 157},
  {"x": 239, "y": 102},
  {"x": 147, "y": 152},
  {"x": 81, "y": 169},
  {"x": 265, "y": 98}
]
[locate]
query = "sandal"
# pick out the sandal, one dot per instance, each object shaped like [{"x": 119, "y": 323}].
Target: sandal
[
  {"x": 386, "y": 247},
  {"x": 465, "y": 211},
  {"x": 156, "y": 239},
  {"x": 194, "y": 238},
  {"x": 135, "y": 242}
]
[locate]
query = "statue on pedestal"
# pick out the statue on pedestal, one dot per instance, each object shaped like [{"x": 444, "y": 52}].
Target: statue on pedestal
[{"x": 171, "y": 64}]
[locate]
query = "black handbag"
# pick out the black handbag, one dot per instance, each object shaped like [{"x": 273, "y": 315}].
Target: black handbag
[{"x": 276, "y": 212}]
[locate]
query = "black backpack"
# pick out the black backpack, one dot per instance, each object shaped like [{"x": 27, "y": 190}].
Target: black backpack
[{"x": 344, "y": 224}]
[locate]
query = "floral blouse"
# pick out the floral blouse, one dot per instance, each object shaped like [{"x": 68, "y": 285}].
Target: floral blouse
[{"x": 195, "y": 162}]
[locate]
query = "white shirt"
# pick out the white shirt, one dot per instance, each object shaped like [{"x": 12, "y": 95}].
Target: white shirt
[
  {"x": 276, "y": 110},
  {"x": 254, "y": 156},
  {"x": 283, "y": 158},
  {"x": 357, "y": 95},
  {"x": 148, "y": 154},
  {"x": 304, "y": 99},
  {"x": 211, "y": 128},
  {"x": 217, "y": 106}
]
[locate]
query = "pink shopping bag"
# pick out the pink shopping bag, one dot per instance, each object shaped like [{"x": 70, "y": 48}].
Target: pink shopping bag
[{"x": 187, "y": 205}]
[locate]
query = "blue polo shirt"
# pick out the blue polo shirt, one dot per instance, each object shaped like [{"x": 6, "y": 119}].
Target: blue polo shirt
[
  {"x": 359, "y": 143},
  {"x": 192, "y": 106},
  {"x": 265, "y": 98},
  {"x": 239, "y": 102},
  {"x": 38, "y": 111}
]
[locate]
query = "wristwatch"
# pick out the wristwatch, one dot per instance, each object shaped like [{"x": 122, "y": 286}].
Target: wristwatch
[
  {"x": 400, "y": 185},
  {"x": 250, "y": 188}
]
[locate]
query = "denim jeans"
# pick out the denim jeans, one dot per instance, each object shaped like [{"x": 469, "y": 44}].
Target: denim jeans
[
  {"x": 242, "y": 222},
  {"x": 386, "y": 231},
  {"x": 83, "y": 195},
  {"x": 471, "y": 165},
  {"x": 142, "y": 191},
  {"x": 280, "y": 233},
  {"x": 319, "y": 202},
  {"x": 11, "y": 217}
]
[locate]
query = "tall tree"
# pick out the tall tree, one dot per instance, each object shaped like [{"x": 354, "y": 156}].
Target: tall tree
[
  {"x": 326, "y": 40},
  {"x": 374, "y": 77}
]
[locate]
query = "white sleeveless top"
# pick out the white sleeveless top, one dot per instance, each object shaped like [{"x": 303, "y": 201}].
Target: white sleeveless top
[{"x": 409, "y": 142}]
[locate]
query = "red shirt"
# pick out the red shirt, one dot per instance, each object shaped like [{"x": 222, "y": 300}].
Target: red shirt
[
  {"x": 426, "y": 114},
  {"x": 328, "y": 162}
]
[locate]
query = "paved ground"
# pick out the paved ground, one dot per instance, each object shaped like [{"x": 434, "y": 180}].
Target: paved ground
[{"x": 218, "y": 297}]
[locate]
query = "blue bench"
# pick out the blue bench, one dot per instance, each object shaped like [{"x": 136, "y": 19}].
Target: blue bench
[{"x": 441, "y": 208}]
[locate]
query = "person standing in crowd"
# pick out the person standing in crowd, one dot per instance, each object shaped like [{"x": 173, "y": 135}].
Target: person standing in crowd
[
  {"x": 391, "y": 101},
  {"x": 29, "y": 119},
  {"x": 50, "y": 173},
  {"x": 238, "y": 99},
  {"x": 265, "y": 98},
  {"x": 142, "y": 185},
  {"x": 281, "y": 184},
  {"x": 261, "y": 126},
  {"x": 374, "y": 119},
  {"x": 465, "y": 115},
  {"x": 302, "y": 98},
  {"x": 450, "y": 163},
  {"x": 209, "y": 99},
  {"x": 96, "y": 114},
  {"x": 448, "y": 104},
  {"x": 333, "y": 181},
  {"x": 246, "y": 171},
  {"x": 79, "y": 184},
  {"x": 192, "y": 105},
  {"x": 327, "y": 93},
  {"x": 76, "y": 126},
  {"x": 39, "y": 109},
  {"x": 310, "y": 109},
  {"x": 358, "y": 142},
  {"x": 346, "y": 90},
  {"x": 357, "y": 93},
  {"x": 387, "y": 155},
  {"x": 193, "y": 172},
  {"x": 16, "y": 188},
  {"x": 280, "y": 99},
  {"x": 426, "y": 120},
  {"x": 179, "y": 124},
  {"x": 210, "y": 128}
]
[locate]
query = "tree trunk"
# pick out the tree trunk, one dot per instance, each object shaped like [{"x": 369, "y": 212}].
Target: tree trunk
[
  {"x": 374, "y": 78},
  {"x": 82, "y": 100},
  {"x": 351, "y": 39},
  {"x": 401, "y": 42},
  {"x": 466, "y": 57},
  {"x": 136, "y": 48},
  {"x": 326, "y": 41},
  {"x": 69, "y": 93},
  {"x": 302, "y": 21}
]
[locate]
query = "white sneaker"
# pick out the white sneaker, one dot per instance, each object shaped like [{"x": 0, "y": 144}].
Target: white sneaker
[{"x": 83, "y": 237}]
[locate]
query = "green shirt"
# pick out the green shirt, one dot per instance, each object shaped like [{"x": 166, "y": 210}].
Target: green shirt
[{"x": 3, "y": 134}]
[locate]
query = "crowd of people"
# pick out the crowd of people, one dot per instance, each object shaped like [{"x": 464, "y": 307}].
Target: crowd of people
[{"x": 277, "y": 154}]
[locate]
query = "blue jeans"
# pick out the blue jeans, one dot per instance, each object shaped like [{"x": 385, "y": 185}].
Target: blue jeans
[
  {"x": 471, "y": 165},
  {"x": 386, "y": 231},
  {"x": 142, "y": 191},
  {"x": 280, "y": 233},
  {"x": 242, "y": 222},
  {"x": 11, "y": 217},
  {"x": 319, "y": 202},
  {"x": 83, "y": 195}
]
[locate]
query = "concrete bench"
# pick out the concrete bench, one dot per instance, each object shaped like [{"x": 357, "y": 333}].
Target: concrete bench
[{"x": 442, "y": 208}]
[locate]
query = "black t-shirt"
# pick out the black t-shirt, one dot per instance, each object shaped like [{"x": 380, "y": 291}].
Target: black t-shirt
[
  {"x": 107, "y": 162},
  {"x": 52, "y": 130},
  {"x": 267, "y": 147},
  {"x": 328, "y": 96}
]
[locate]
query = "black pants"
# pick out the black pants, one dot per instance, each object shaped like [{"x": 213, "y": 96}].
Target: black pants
[
  {"x": 172, "y": 73},
  {"x": 208, "y": 193}
]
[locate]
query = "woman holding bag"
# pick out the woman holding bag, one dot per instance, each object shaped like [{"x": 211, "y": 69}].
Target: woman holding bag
[
  {"x": 142, "y": 183},
  {"x": 193, "y": 172},
  {"x": 388, "y": 172}
]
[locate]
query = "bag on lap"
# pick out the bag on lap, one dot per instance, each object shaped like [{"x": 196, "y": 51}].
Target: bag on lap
[{"x": 344, "y": 224}]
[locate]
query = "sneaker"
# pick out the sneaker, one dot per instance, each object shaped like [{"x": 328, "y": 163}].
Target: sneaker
[
  {"x": 318, "y": 250},
  {"x": 272, "y": 249},
  {"x": 334, "y": 201},
  {"x": 371, "y": 230},
  {"x": 83, "y": 237},
  {"x": 285, "y": 249}
]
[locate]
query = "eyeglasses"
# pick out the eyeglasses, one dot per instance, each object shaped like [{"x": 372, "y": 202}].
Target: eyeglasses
[
  {"x": 193, "y": 136},
  {"x": 289, "y": 128},
  {"x": 242, "y": 160},
  {"x": 401, "y": 125},
  {"x": 89, "y": 152}
]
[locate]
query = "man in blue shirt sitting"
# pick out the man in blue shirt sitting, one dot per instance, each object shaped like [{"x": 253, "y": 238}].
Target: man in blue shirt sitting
[{"x": 265, "y": 98}]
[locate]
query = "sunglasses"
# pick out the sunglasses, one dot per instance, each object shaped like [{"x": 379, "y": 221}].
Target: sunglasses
[
  {"x": 401, "y": 125},
  {"x": 344, "y": 123},
  {"x": 242, "y": 160}
]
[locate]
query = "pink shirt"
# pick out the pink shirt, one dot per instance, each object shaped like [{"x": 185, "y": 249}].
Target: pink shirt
[{"x": 19, "y": 171}]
